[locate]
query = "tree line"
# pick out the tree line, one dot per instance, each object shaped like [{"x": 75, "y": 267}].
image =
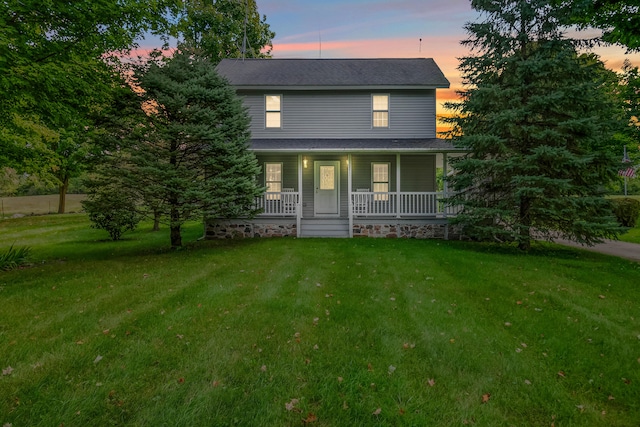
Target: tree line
[{"x": 164, "y": 131}]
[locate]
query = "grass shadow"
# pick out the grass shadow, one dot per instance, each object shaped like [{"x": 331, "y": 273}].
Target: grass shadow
[{"x": 539, "y": 249}]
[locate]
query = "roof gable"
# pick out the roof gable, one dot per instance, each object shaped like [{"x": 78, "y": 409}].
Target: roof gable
[{"x": 333, "y": 73}]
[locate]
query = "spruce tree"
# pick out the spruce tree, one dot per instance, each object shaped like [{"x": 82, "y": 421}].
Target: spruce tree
[
  {"x": 538, "y": 124},
  {"x": 192, "y": 156}
]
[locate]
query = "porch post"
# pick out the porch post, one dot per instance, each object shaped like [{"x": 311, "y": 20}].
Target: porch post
[
  {"x": 398, "y": 185},
  {"x": 299, "y": 204},
  {"x": 350, "y": 201},
  {"x": 444, "y": 194},
  {"x": 444, "y": 182}
]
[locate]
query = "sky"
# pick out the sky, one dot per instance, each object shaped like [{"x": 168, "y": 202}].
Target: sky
[{"x": 384, "y": 29}]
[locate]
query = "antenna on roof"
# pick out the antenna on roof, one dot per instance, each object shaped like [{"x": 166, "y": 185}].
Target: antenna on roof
[
  {"x": 420, "y": 46},
  {"x": 244, "y": 37},
  {"x": 320, "y": 44}
]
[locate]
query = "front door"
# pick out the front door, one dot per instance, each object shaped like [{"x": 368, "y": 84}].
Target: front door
[{"x": 326, "y": 200}]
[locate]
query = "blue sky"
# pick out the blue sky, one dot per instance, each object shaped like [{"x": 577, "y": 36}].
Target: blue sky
[
  {"x": 383, "y": 29},
  {"x": 364, "y": 20},
  {"x": 368, "y": 28}
]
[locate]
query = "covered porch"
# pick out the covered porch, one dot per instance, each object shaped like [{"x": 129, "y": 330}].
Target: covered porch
[
  {"x": 348, "y": 188},
  {"x": 380, "y": 187}
]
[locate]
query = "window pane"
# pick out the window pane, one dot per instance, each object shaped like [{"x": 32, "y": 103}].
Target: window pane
[
  {"x": 273, "y": 120},
  {"x": 380, "y": 172},
  {"x": 380, "y": 119},
  {"x": 380, "y": 102},
  {"x": 273, "y": 172},
  {"x": 273, "y": 102},
  {"x": 327, "y": 177},
  {"x": 274, "y": 187},
  {"x": 380, "y": 187},
  {"x": 273, "y": 180}
]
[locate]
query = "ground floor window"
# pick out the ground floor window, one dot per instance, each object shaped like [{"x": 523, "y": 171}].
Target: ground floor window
[
  {"x": 380, "y": 180},
  {"x": 273, "y": 180}
]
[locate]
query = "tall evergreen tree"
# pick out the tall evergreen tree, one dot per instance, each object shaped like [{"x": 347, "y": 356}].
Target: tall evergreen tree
[
  {"x": 538, "y": 126},
  {"x": 191, "y": 154}
]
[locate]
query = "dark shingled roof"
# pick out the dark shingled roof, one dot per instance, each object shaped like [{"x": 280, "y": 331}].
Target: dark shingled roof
[
  {"x": 403, "y": 72},
  {"x": 327, "y": 145}
]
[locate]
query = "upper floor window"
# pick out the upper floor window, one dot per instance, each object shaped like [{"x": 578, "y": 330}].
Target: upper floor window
[
  {"x": 380, "y": 111},
  {"x": 380, "y": 180},
  {"x": 273, "y": 111}
]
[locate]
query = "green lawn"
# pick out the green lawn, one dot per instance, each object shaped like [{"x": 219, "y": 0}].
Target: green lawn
[
  {"x": 326, "y": 332},
  {"x": 632, "y": 235}
]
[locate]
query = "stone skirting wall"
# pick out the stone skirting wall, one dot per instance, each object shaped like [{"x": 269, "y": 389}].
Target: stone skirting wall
[
  {"x": 407, "y": 231},
  {"x": 242, "y": 229},
  {"x": 226, "y": 229}
]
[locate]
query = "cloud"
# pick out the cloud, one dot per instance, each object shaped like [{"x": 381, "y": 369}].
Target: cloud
[
  {"x": 448, "y": 94},
  {"x": 357, "y": 19},
  {"x": 443, "y": 49},
  {"x": 398, "y": 47}
]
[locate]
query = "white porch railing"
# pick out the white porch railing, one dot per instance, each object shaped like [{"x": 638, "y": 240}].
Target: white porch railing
[
  {"x": 364, "y": 204},
  {"x": 403, "y": 204},
  {"x": 283, "y": 203}
]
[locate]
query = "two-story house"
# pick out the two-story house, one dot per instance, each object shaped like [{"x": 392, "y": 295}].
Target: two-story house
[{"x": 347, "y": 147}]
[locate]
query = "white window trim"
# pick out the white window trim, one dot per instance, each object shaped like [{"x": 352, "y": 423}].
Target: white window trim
[
  {"x": 373, "y": 111},
  {"x": 381, "y": 197},
  {"x": 267, "y": 111},
  {"x": 269, "y": 195}
]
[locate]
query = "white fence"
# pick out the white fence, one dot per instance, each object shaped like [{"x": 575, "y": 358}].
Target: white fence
[
  {"x": 283, "y": 203},
  {"x": 403, "y": 204},
  {"x": 364, "y": 204}
]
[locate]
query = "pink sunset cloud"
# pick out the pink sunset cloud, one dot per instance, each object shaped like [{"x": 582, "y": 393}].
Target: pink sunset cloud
[{"x": 443, "y": 49}]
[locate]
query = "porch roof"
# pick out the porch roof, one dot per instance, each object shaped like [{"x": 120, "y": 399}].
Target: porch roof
[{"x": 361, "y": 145}]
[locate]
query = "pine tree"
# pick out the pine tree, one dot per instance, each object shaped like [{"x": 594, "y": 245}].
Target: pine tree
[
  {"x": 192, "y": 155},
  {"x": 538, "y": 125}
]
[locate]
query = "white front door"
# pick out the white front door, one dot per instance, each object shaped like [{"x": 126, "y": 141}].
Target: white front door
[{"x": 326, "y": 200}]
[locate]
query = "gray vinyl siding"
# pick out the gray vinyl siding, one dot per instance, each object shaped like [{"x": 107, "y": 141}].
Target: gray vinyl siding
[
  {"x": 361, "y": 170},
  {"x": 344, "y": 114},
  {"x": 289, "y": 169},
  {"x": 418, "y": 173}
]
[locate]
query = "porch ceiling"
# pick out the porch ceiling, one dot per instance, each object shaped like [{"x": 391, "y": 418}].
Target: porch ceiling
[{"x": 432, "y": 145}]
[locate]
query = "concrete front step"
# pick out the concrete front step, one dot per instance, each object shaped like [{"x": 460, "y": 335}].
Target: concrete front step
[{"x": 324, "y": 227}]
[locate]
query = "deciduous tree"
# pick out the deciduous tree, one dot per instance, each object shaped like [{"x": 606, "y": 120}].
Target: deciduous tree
[
  {"x": 619, "y": 20},
  {"x": 217, "y": 29},
  {"x": 629, "y": 90},
  {"x": 53, "y": 74}
]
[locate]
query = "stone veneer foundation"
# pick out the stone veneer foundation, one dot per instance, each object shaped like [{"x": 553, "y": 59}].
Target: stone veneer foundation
[
  {"x": 406, "y": 231},
  {"x": 411, "y": 230},
  {"x": 241, "y": 230}
]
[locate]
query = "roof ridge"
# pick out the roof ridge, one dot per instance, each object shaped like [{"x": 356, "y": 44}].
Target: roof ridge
[{"x": 338, "y": 72}]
